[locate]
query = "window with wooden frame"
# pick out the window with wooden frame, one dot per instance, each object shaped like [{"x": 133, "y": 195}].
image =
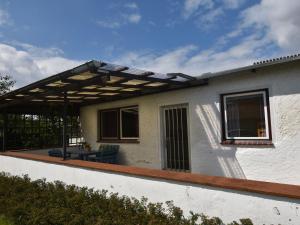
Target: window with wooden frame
[
  {"x": 119, "y": 124},
  {"x": 246, "y": 116}
]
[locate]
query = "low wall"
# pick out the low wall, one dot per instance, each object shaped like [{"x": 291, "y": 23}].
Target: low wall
[{"x": 204, "y": 196}]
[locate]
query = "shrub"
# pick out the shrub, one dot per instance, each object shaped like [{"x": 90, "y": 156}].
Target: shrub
[
  {"x": 27, "y": 202},
  {"x": 5, "y": 221}
]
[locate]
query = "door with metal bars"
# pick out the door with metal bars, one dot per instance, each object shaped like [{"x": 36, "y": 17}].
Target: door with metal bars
[{"x": 175, "y": 138}]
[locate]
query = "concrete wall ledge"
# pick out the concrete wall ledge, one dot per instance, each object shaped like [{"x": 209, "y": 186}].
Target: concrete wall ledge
[{"x": 267, "y": 188}]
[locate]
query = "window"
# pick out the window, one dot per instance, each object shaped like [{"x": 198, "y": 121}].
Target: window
[
  {"x": 119, "y": 124},
  {"x": 109, "y": 124},
  {"x": 129, "y": 122},
  {"x": 246, "y": 116}
]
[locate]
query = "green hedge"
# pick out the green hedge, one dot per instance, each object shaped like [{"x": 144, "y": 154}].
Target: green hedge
[
  {"x": 5, "y": 221},
  {"x": 26, "y": 202}
]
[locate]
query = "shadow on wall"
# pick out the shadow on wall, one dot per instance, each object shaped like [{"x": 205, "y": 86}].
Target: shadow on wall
[{"x": 212, "y": 158}]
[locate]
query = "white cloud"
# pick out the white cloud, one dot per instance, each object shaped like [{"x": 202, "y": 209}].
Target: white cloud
[
  {"x": 266, "y": 30},
  {"x": 188, "y": 59},
  {"x": 108, "y": 24},
  {"x": 134, "y": 18},
  {"x": 207, "y": 12},
  {"x": 129, "y": 14},
  {"x": 280, "y": 20},
  {"x": 210, "y": 17},
  {"x": 30, "y": 63},
  {"x": 233, "y": 4},
  {"x": 131, "y": 5},
  {"x": 191, "y": 6},
  {"x": 4, "y": 18}
]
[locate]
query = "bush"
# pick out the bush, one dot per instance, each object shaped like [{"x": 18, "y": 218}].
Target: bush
[
  {"x": 27, "y": 202},
  {"x": 5, "y": 221}
]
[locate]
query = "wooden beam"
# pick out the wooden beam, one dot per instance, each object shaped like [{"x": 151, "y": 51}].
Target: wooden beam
[{"x": 142, "y": 77}]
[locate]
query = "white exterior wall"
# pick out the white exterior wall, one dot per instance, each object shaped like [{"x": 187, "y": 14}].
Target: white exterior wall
[
  {"x": 276, "y": 164},
  {"x": 229, "y": 205}
]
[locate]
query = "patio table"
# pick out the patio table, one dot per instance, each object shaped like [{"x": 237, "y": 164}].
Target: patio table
[{"x": 81, "y": 153}]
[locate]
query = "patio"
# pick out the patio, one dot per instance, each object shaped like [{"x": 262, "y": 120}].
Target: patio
[{"x": 45, "y": 115}]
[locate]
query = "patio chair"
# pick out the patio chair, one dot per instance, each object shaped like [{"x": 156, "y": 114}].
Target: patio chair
[
  {"x": 106, "y": 154},
  {"x": 57, "y": 153}
]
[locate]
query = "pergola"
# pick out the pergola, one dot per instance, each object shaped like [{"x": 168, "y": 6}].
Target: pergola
[{"x": 90, "y": 83}]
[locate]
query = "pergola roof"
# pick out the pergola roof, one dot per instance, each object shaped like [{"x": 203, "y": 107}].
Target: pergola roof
[{"x": 94, "y": 82}]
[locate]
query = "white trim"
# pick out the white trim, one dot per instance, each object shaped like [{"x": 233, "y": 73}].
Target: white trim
[
  {"x": 265, "y": 115},
  {"x": 120, "y": 125}
]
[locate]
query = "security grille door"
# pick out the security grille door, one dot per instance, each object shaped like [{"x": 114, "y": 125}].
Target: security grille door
[{"x": 175, "y": 140}]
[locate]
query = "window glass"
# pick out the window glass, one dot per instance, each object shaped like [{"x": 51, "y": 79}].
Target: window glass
[
  {"x": 245, "y": 115},
  {"x": 109, "y": 124},
  {"x": 130, "y": 122}
]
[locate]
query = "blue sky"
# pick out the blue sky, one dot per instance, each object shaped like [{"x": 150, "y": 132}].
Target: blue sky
[{"x": 40, "y": 38}]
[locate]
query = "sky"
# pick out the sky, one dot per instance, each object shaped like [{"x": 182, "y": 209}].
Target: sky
[{"x": 41, "y": 38}]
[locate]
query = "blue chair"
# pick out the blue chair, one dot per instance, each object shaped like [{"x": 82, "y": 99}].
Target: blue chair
[{"x": 106, "y": 154}]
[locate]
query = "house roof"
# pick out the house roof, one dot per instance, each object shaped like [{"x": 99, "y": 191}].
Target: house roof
[
  {"x": 254, "y": 66},
  {"x": 95, "y": 82}
]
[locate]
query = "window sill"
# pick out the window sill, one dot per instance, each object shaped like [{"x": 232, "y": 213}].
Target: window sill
[
  {"x": 125, "y": 141},
  {"x": 268, "y": 143}
]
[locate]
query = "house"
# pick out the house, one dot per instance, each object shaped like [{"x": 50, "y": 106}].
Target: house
[{"x": 240, "y": 123}]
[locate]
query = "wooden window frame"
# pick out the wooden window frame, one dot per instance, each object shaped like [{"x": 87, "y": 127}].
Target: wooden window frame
[
  {"x": 119, "y": 138},
  {"x": 247, "y": 140}
]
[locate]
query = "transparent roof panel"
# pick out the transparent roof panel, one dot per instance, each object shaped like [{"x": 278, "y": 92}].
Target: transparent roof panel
[
  {"x": 52, "y": 96},
  {"x": 57, "y": 84},
  {"x": 135, "y": 82},
  {"x": 36, "y": 90},
  {"x": 181, "y": 79},
  {"x": 135, "y": 71},
  {"x": 112, "y": 67},
  {"x": 89, "y": 93},
  {"x": 91, "y": 97},
  {"x": 110, "y": 93},
  {"x": 74, "y": 97},
  {"x": 160, "y": 76},
  {"x": 91, "y": 87},
  {"x": 83, "y": 76},
  {"x": 155, "y": 84},
  {"x": 131, "y": 89},
  {"x": 71, "y": 92},
  {"x": 109, "y": 88},
  {"x": 54, "y": 100},
  {"x": 114, "y": 79},
  {"x": 75, "y": 101}
]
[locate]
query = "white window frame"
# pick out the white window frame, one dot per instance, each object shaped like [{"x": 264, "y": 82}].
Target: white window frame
[
  {"x": 121, "y": 130},
  {"x": 266, "y": 115}
]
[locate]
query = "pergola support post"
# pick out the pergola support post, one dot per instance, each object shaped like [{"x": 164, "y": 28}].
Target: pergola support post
[
  {"x": 65, "y": 126},
  {"x": 4, "y": 132}
]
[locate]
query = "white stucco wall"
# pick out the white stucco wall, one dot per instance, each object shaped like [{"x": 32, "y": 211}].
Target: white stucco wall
[
  {"x": 229, "y": 205},
  {"x": 277, "y": 164}
]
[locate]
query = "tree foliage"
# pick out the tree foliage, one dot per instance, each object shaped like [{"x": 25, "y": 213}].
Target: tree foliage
[{"x": 6, "y": 83}]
